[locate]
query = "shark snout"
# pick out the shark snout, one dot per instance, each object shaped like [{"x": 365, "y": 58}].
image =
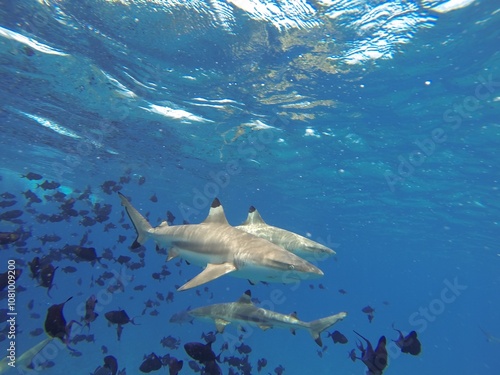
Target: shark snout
[
  {"x": 320, "y": 249},
  {"x": 313, "y": 270},
  {"x": 302, "y": 269}
]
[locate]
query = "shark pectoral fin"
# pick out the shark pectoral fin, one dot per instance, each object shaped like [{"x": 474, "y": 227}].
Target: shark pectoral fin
[
  {"x": 172, "y": 253},
  {"x": 211, "y": 272},
  {"x": 220, "y": 324}
]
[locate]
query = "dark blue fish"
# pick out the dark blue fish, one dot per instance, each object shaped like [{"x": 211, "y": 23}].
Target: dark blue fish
[
  {"x": 409, "y": 343},
  {"x": 374, "y": 360}
]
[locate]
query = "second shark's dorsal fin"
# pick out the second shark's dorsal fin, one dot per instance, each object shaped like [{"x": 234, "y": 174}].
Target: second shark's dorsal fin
[
  {"x": 253, "y": 217},
  {"x": 216, "y": 214},
  {"x": 246, "y": 297}
]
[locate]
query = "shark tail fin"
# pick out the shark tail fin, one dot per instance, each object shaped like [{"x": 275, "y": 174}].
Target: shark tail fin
[
  {"x": 318, "y": 326},
  {"x": 141, "y": 225}
]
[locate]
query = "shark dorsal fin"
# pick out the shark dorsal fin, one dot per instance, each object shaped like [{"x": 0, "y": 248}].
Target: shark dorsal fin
[
  {"x": 246, "y": 297},
  {"x": 216, "y": 214},
  {"x": 253, "y": 217}
]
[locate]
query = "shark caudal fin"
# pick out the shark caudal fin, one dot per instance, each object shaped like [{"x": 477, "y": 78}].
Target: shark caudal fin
[
  {"x": 318, "y": 326},
  {"x": 141, "y": 225}
]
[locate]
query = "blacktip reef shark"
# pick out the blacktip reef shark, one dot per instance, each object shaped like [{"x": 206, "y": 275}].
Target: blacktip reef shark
[
  {"x": 222, "y": 249},
  {"x": 293, "y": 242},
  {"x": 244, "y": 311}
]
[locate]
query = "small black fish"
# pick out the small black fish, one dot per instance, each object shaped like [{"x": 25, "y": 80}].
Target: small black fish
[
  {"x": 370, "y": 317},
  {"x": 55, "y": 323},
  {"x": 154, "y": 198},
  {"x": 244, "y": 349},
  {"x": 11, "y": 215},
  {"x": 111, "y": 363},
  {"x": 49, "y": 238},
  {"x": 118, "y": 317},
  {"x": 69, "y": 269},
  {"x": 31, "y": 197},
  {"x": 151, "y": 363},
  {"x": 200, "y": 352},
  {"x": 261, "y": 363},
  {"x": 90, "y": 314},
  {"x": 170, "y": 218},
  {"x": 46, "y": 185},
  {"x": 34, "y": 267},
  {"x": 32, "y": 176},
  {"x": 5, "y": 204},
  {"x": 170, "y": 342},
  {"x": 86, "y": 253},
  {"x": 374, "y": 360},
  {"x": 47, "y": 274},
  {"x": 409, "y": 343},
  {"x": 174, "y": 365},
  {"x": 123, "y": 259},
  {"x": 9, "y": 237},
  {"x": 338, "y": 337},
  {"x": 110, "y": 367},
  {"x": 368, "y": 309}
]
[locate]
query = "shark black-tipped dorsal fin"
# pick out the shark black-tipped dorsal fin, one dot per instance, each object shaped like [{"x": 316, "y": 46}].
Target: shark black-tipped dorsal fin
[
  {"x": 253, "y": 217},
  {"x": 216, "y": 214},
  {"x": 246, "y": 297}
]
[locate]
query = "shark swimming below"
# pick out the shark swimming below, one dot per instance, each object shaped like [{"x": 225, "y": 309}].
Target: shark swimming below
[
  {"x": 244, "y": 311},
  {"x": 222, "y": 249},
  {"x": 293, "y": 242}
]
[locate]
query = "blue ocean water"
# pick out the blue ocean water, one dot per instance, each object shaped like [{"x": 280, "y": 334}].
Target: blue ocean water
[{"x": 369, "y": 126}]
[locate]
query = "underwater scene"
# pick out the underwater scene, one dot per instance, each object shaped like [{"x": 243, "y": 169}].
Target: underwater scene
[{"x": 244, "y": 187}]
